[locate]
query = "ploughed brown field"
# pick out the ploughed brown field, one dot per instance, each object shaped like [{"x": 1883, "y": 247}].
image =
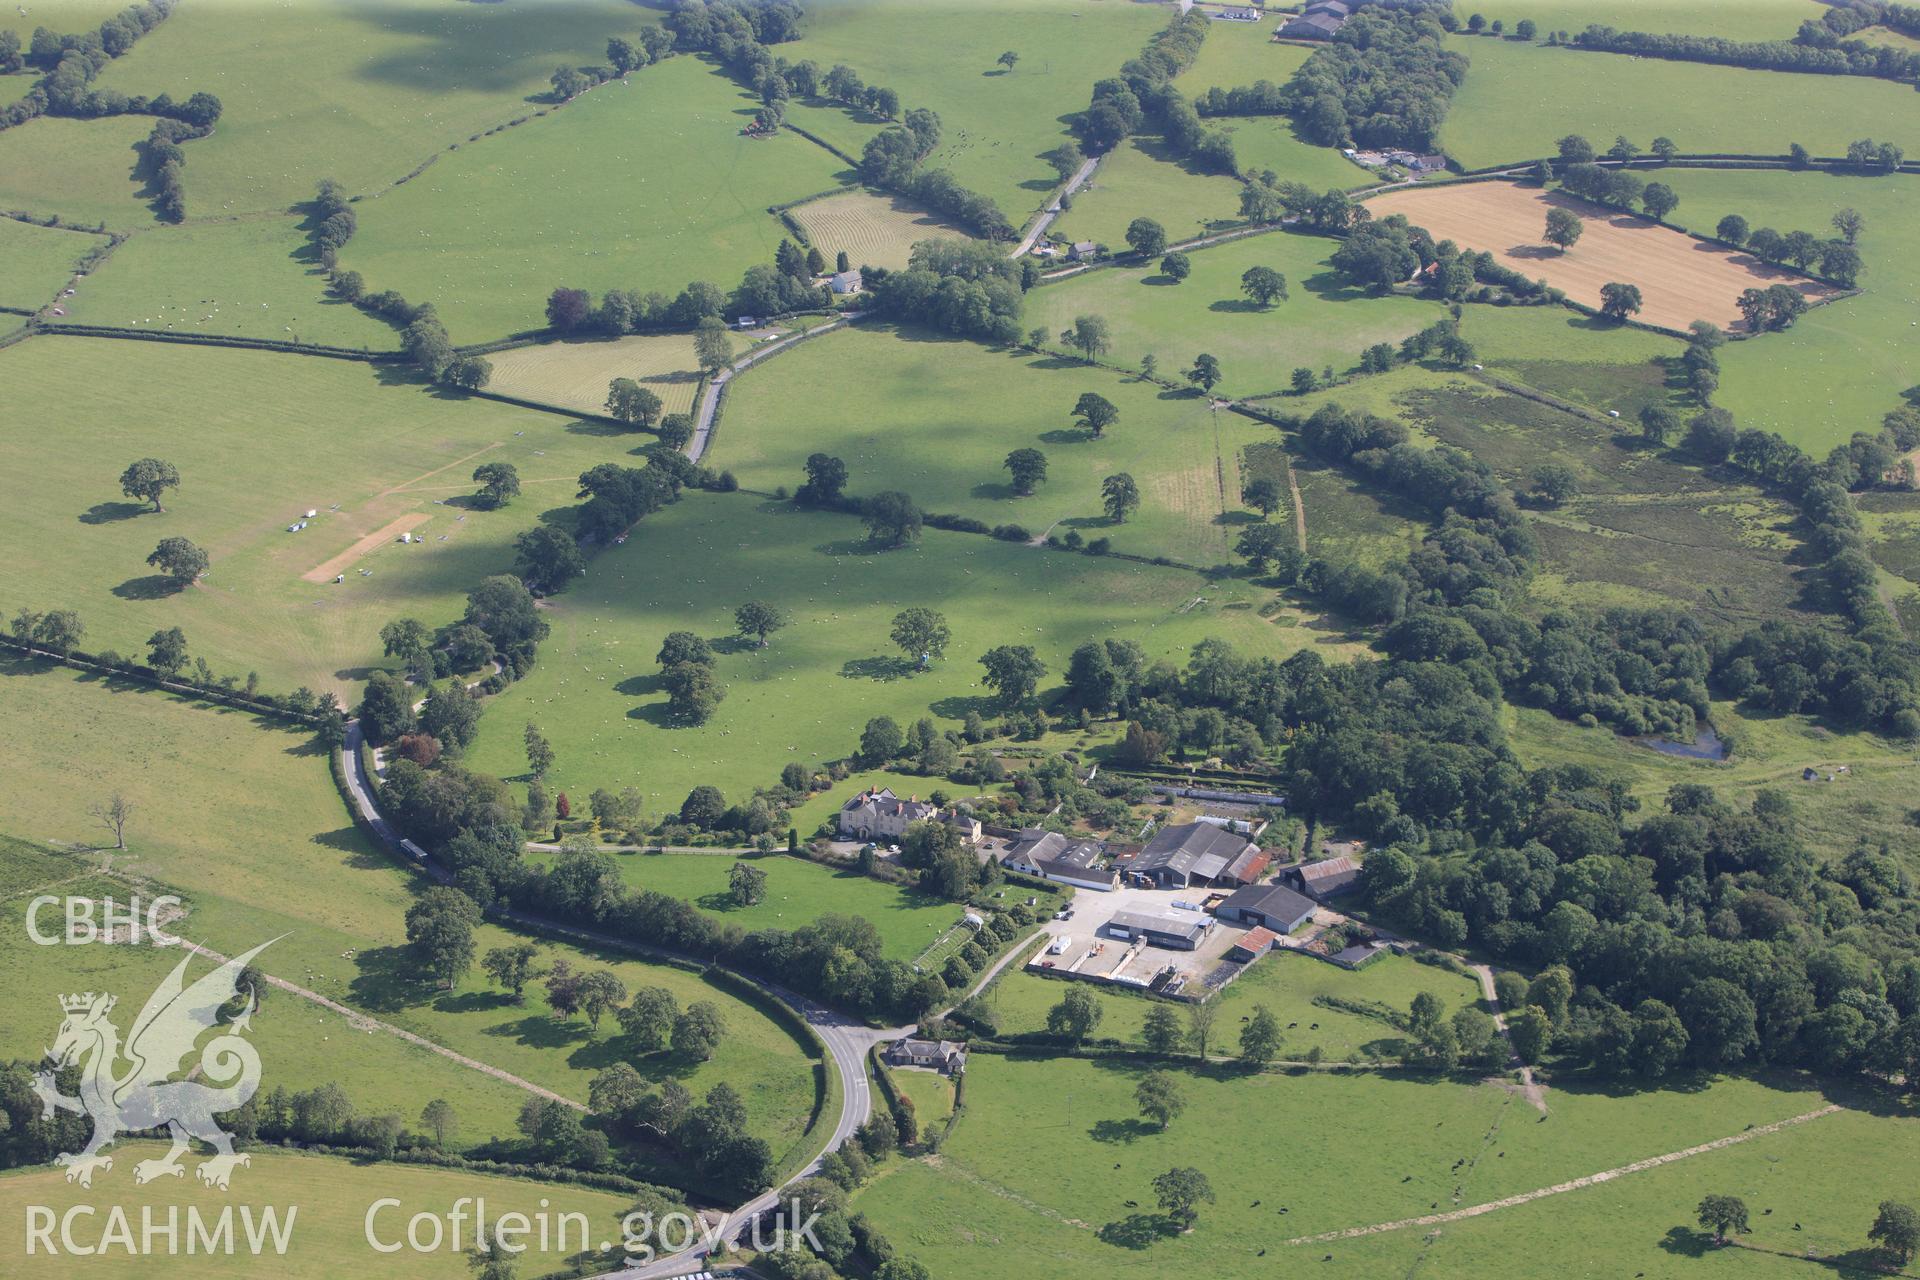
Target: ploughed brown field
[{"x": 1681, "y": 279}]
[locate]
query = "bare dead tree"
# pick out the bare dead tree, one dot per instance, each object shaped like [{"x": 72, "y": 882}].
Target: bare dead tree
[{"x": 114, "y": 813}]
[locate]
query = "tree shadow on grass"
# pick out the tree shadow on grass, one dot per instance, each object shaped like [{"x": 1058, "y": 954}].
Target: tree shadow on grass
[
  {"x": 992, "y": 491},
  {"x": 1139, "y": 1231},
  {"x": 853, "y": 547},
  {"x": 883, "y": 667},
  {"x": 1065, "y": 435},
  {"x": 536, "y": 1030},
  {"x": 1236, "y": 306},
  {"x": 956, "y": 707},
  {"x": 1129, "y": 1130},
  {"x": 639, "y": 686},
  {"x": 474, "y": 1002},
  {"x": 656, "y": 714},
  {"x": 154, "y": 586},
  {"x": 108, "y": 512},
  {"x": 589, "y": 427},
  {"x": 388, "y": 981},
  {"x": 308, "y": 747},
  {"x": 1331, "y": 287},
  {"x": 1686, "y": 1242}
]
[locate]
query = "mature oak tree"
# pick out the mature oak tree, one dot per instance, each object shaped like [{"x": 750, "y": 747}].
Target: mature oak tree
[{"x": 147, "y": 479}]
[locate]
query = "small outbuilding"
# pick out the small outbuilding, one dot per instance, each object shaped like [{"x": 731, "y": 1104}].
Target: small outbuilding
[
  {"x": 1325, "y": 878},
  {"x": 1270, "y": 906},
  {"x": 1312, "y": 26},
  {"x": 1253, "y": 944},
  {"x": 1053, "y": 856},
  {"x": 1174, "y": 932}
]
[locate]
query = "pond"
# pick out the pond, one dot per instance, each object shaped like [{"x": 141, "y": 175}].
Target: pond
[{"x": 1705, "y": 746}]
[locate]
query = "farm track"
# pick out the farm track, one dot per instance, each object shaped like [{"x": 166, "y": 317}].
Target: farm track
[
  {"x": 1577, "y": 1184},
  {"x": 1299, "y": 508},
  {"x": 361, "y": 1022}
]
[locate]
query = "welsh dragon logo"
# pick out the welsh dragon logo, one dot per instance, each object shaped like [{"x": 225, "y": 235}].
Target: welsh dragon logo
[{"x": 144, "y": 1095}]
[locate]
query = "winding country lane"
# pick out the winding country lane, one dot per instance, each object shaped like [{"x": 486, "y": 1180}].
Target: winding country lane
[{"x": 847, "y": 1040}]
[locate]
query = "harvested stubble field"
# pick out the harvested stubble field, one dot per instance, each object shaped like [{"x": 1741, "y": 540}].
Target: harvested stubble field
[
  {"x": 876, "y": 231},
  {"x": 575, "y": 375},
  {"x": 1681, "y": 279}
]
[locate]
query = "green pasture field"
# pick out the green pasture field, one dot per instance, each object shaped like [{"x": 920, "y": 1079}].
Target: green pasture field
[
  {"x": 264, "y": 826},
  {"x": 35, "y": 262},
  {"x": 806, "y": 697},
  {"x": 361, "y": 91},
  {"x": 855, "y": 395},
  {"x": 1811, "y": 1191},
  {"x": 331, "y": 1197},
  {"x": 575, "y": 375},
  {"x": 1518, "y": 99},
  {"x": 285, "y": 434},
  {"x": 872, "y": 230},
  {"x": 596, "y": 196},
  {"x": 848, "y": 129},
  {"x": 1889, "y": 37},
  {"x": 1237, "y": 54},
  {"x": 253, "y": 279},
  {"x": 798, "y": 892},
  {"x": 1051, "y": 1151},
  {"x": 1871, "y": 801},
  {"x": 1593, "y": 363},
  {"x": 1843, "y": 365},
  {"x": 931, "y": 1093},
  {"x": 1269, "y": 142},
  {"x": 64, "y": 16},
  {"x": 302, "y": 1045},
  {"x": 1324, "y": 322},
  {"x": 967, "y": 407},
  {"x": 941, "y": 55},
  {"x": 1140, "y": 179},
  {"x": 1286, "y": 984},
  {"x": 1748, "y": 20},
  {"x": 263, "y": 846},
  {"x": 78, "y": 170}
]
